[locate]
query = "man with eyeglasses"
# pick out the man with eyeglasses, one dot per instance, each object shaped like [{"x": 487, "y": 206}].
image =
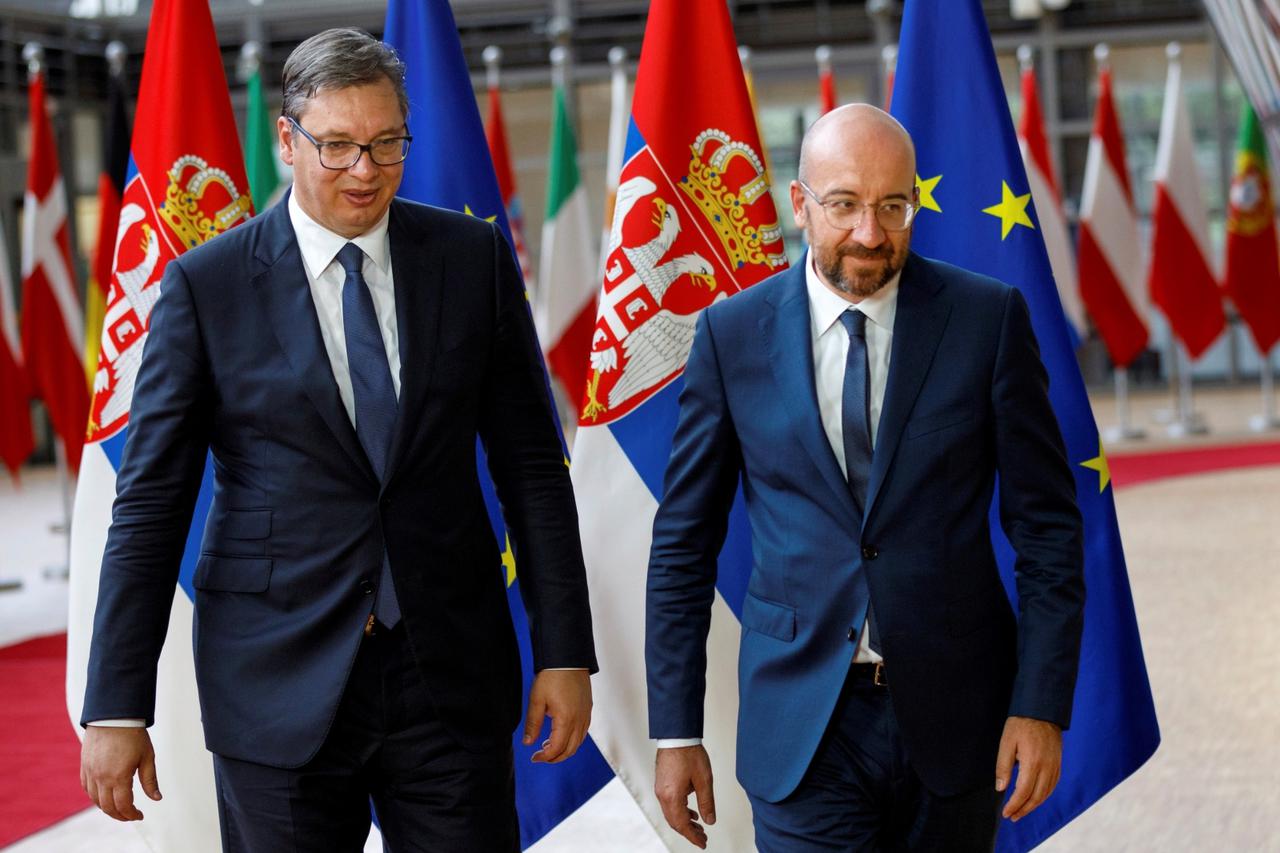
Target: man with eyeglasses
[
  {"x": 338, "y": 357},
  {"x": 867, "y": 400}
]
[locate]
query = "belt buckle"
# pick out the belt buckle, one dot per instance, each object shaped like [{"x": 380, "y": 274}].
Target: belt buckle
[{"x": 879, "y": 678}]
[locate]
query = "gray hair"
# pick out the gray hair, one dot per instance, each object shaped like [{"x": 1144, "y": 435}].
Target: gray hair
[{"x": 338, "y": 59}]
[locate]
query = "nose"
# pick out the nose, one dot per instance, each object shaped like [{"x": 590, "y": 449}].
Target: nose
[
  {"x": 364, "y": 167},
  {"x": 868, "y": 232}
]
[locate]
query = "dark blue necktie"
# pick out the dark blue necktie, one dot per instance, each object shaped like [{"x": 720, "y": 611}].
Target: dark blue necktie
[
  {"x": 375, "y": 395},
  {"x": 856, "y": 425}
]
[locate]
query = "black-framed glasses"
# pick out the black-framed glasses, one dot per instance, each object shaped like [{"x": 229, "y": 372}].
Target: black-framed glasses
[
  {"x": 341, "y": 156},
  {"x": 846, "y": 213}
]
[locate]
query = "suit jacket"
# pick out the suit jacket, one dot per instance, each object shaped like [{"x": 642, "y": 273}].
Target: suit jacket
[
  {"x": 294, "y": 542},
  {"x": 966, "y": 400}
]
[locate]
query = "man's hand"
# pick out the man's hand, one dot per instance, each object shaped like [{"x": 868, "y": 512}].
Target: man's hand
[
  {"x": 1036, "y": 746},
  {"x": 564, "y": 695},
  {"x": 108, "y": 759},
  {"x": 681, "y": 771}
]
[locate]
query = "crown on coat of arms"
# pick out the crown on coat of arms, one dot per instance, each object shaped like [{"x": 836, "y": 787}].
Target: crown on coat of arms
[
  {"x": 726, "y": 177},
  {"x": 185, "y": 209}
]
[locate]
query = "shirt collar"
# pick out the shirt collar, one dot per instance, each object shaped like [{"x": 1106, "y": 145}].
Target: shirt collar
[
  {"x": 825, "y": 306},
  {"x": 319, "y": 246}
]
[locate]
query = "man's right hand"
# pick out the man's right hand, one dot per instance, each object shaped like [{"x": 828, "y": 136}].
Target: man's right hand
[
  {"x": 108, "y": 759},
  {"x": 682, "y": 771}
]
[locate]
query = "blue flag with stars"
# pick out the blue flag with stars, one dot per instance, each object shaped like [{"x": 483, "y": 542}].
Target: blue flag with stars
[
  {"x": 977, "y": 213},
  {"x": 449, "y": 166}
]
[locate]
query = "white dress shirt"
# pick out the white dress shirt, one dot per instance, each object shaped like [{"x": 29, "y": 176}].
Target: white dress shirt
[
  {"x": 830, "y": 350},
  {"x": 319, "y": 247}
]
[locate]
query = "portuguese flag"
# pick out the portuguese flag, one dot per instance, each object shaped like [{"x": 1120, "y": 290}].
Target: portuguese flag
[{"x": 1252, "y": 277}]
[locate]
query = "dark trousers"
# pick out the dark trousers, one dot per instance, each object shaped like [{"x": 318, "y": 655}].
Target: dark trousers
[
  {"x": 386, "y": 744},
  {"x": 861, "y": 794}
]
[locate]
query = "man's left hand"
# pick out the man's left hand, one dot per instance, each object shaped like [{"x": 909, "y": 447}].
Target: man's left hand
[
  {"x": 1036, "y": 746},
  {"x": 564, "y": 695}
]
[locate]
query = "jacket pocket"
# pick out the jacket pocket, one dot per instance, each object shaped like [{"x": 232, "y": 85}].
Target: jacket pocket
[
  {"x": 939, "y": 421},
  {"x": 216, "y": 573},
  {"x": 769, "y": 618}
]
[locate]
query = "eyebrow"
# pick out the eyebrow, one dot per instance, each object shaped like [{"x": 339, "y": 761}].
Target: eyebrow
[
  {"x": 852, "y": 194},
  {"x": 338, "y": 136}
]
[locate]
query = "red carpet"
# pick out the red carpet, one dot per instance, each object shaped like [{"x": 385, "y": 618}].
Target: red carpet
[
  {"x": 1130, "y": 469},
  {"x": 40, "y": 754},
  {"x": 39, "y": 750}
]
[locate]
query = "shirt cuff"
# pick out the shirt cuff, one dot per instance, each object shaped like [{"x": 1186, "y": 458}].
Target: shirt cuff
[
  {"x": 677, "y": 742},
  {"x": 119, "y": 724}
]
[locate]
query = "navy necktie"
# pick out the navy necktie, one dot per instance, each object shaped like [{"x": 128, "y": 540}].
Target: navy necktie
[
  {"x": 857, "y": 394},
  {"x": 375, "y": 395},
  {"x": 856, "y": 425}
]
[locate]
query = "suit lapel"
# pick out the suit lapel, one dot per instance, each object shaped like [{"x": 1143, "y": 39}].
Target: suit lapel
[
  {"x": 286, "y": 298},
  {"x": 417, "y": 269},
  {"x": 917, "y": 328},
  {"x": 789, "y": 342}
]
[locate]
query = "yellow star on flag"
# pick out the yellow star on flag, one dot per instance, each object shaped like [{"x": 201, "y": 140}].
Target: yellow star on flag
[
  {"x": 466, "y": 208},
  {"x": 1011, "y": 211},
  {"x": 926, "y": 186},
  {"x": 1099, "y": 464},
  {"x": 509, "y": 561}
]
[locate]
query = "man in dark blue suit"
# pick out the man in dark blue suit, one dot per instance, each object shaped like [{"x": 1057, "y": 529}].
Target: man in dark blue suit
[
  {"x": 870, "y": 402},
  {"x": 338, "y": 356}
]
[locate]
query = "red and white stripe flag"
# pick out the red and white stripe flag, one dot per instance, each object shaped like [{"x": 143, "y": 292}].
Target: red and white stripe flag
[
  {"x": 826, "y": 80},
  {"x": 1109, "y": 259},
  {"x": 1180, "y": 278},
  {"x": 52, "y": 319},
  {"x": 16, "y": 440},
  {"x": 1048, "y": 200}
]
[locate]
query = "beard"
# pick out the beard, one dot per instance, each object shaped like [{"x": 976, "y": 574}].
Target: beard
[{"x": 862, "y": 283}]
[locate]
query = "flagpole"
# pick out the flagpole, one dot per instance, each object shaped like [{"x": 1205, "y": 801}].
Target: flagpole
[
  {"x": 1125, "y": 428},
  {"x": 1266, "y": 420},
  {"x": 492, "y": 57},
  {"x": 1188, "y": 421},
  {"x": 889, "y": 66}
]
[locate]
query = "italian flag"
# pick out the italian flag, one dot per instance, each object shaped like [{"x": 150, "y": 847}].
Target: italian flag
[
  {"x": 565, "y": 303},
  {"x": 1252, "y": 278}
]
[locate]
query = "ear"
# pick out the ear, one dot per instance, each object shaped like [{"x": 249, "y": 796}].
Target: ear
[
  {"x": 798, "y": 211},
  {"x": 284, "y": 132}
]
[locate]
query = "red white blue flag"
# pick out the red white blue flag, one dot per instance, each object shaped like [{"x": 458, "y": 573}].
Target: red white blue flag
[
  {"x": 185, "y": 185},
  {"x": 693, "y": 223}
]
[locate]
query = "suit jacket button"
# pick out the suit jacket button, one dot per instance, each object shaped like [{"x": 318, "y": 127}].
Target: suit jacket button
[
  {"x": 870, "y": 552},
  {"x": 366, "y": 586}
]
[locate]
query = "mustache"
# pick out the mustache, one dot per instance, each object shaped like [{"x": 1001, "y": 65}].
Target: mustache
[{"x": 865, "y": 254}]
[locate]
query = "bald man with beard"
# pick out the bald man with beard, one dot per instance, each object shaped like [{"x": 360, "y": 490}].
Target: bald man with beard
[{"x": 871, "y": 403}]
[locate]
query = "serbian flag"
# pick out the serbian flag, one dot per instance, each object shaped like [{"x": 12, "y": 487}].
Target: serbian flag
[
  {"x": 950, "y": 98},
  {"x": 115, "y": 164},
  {"x": 694, "y": 223},
  {"x": 1180, "y": 278},
  {"x": 1252, "y": 278},
  {"x": 449, "y": 167},
  {"x": 495, "y": 131},
  {"x": 564, "y": 307},
  {"x": 1048, "y": 200},
  {"x": 16, "y": 438},
  {"x": 185, "y": 185},
  {"x": 1109, "y": 259},
  {"x": 52, "y": 319}
]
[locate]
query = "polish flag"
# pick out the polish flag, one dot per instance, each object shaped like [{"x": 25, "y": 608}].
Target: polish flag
[
  {"x": 52, "y": 319},
  {"x": 826, "y": 80},
  {"x": 1109, "y": 259},
  {"x": 1180, "y": 279},
  {"x": 1048, "y": 201}
]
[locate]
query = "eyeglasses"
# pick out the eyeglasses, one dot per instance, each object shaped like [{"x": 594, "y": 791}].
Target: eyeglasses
[
  {"x": 846, "y": 213},
  {"x": 341, "y": 156}
]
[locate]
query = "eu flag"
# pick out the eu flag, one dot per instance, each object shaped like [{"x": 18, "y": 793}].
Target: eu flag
[
  {"x": 977, "y": 213},
  {"x": 449, "y": 166}
]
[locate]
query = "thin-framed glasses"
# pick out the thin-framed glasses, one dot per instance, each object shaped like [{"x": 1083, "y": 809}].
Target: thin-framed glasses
[
  {"x": 341, "y": 156},
  {"x": 846, "y": 213}
]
